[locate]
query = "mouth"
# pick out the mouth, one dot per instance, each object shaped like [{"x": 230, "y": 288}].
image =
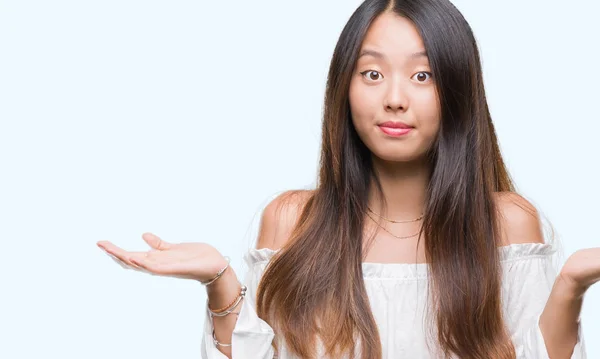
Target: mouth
[
  {"x": 395, "y": 129},
  {"x": 395, "y": 124}
]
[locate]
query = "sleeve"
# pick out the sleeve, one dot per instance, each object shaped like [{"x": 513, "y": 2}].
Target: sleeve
[
  {"x": 529, "y": 274},
  {"x": 252, "y": 336}
]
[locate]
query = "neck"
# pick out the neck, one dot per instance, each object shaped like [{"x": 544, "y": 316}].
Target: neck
[{"x": 404, "y": 188}]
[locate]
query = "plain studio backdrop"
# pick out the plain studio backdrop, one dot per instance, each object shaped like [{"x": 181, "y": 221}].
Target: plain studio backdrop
[{"x": 185, "y": 118}]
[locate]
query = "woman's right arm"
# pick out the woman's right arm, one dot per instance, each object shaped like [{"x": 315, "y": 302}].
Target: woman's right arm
[
  {"x": 220, "y": 294},
  {"x": 250, "y": 336}
]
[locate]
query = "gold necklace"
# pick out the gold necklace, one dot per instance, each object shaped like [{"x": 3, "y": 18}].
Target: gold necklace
[
  {"x": 392, "y": 234},
  {"x": 389, "y": 220}
]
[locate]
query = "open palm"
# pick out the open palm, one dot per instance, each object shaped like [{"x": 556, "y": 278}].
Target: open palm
[{"x": 198, "y": 261}]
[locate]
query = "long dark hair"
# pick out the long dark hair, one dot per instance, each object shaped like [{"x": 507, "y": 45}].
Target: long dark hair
[{"x": 317, "y": 276}]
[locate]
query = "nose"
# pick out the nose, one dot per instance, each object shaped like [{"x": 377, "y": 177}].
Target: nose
[{"x": 396, "y": 98}]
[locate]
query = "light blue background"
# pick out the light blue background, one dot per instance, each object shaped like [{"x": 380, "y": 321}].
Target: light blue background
[{"x": 184, "y": 118}]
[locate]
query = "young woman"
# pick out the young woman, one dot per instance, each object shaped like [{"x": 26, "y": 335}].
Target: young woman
[{"x": 414, "y": 243}]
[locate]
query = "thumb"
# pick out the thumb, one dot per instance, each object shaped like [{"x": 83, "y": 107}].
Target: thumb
[{"x": 155, "y": 242}]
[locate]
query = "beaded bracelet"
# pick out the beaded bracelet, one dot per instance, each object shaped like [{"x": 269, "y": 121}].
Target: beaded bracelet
[
  {"x": 219, "y": 274},
  {"x": 229, "y": 308},
  {"x": 221, "y": 310},
  {"x": 226, "y": 311}
]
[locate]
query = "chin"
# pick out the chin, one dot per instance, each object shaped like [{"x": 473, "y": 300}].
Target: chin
[
  {"x": 397, "y": 157},
  {"x": 400, "y": 154}
]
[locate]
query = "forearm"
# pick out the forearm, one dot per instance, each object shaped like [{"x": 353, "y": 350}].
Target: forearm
[
  {"x": 220, "y": 294},
  {"x": 559, "y": 321}
]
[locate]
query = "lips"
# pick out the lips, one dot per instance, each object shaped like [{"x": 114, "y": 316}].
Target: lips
[{"x": 395, "y": 124}]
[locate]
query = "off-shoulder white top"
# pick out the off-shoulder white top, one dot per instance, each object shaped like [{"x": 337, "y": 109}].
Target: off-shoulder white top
[{"x": 398, "y": 297}]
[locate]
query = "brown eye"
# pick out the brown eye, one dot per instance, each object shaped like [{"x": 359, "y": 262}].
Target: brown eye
[
  {"x": 372, "y": 75},
  {"x": 423, "y": 76}
]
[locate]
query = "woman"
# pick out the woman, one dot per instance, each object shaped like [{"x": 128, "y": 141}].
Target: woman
[{"x": 414, "y": 243}]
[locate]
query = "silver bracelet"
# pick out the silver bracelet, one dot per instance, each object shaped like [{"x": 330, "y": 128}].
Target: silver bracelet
[
  {"x": 233, "y": 306},
  {"x": 227, "y": 312},
  {"x": 218, "y": 274},
  {"x": 217, "y": 342}
]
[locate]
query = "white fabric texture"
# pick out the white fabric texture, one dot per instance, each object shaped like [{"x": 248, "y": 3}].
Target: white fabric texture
[{"x": 398, "y": 296}]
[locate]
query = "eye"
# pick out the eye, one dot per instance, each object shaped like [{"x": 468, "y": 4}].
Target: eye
[
  {"x": 373, "y": 76},
  {"x": 422, "y": 76}
]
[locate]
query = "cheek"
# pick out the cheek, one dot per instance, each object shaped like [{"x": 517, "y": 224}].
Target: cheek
[
  {"x": 428, "y": 112},
  {"x": 361, "y": 106}
]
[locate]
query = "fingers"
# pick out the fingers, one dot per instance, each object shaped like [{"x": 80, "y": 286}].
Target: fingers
[
  {"x": 155, "y": 242},
  {"x": 121, "y": 256},
  {"x": 146, "y": 263},
  {"x": 142, "y": 258},
  {"x": 118, "y": 261},
  {"x": 142, "y": 261}
]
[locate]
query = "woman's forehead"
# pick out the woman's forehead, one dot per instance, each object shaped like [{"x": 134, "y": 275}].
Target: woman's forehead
[{"x": 392, "y": 36}]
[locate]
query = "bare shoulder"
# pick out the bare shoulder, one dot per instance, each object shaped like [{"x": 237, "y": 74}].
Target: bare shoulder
[
  {"x": 280, "y": 217},
  {"x": 519, "y": 220}
]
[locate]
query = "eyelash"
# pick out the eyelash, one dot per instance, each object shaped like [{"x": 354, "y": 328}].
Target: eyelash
[{"x": 420, "y": 72}]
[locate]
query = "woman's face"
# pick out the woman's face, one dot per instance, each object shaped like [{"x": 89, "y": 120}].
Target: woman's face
[{"x": 392, "y": 84}]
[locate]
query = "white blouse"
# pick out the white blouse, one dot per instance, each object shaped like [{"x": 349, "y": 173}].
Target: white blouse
[{"x": 397, "y": 293}]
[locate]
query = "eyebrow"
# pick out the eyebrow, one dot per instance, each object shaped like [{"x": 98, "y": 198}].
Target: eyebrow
[{"x": 379, "y": 55}]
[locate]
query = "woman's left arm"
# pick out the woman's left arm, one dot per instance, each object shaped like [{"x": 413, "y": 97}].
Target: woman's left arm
[
  {"x": 542, "y": 304},
  {"x": 559, "y": 321}
]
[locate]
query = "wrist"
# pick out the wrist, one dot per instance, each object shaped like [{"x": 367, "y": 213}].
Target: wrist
[
  {"x": 222, "y": 291},
  {"x": 568, "y": 289}
]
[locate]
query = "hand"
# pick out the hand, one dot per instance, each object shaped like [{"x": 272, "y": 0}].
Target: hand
[
  {"x": 198, "y": 261},
  {"x": 581, "y": 270}
]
